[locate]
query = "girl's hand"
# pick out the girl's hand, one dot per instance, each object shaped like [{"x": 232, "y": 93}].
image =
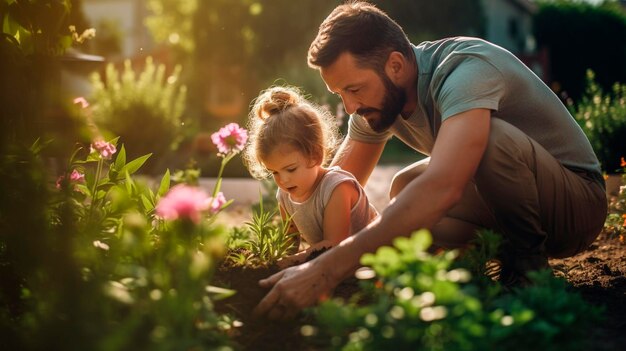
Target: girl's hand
[{"x": 289, "y": 261}]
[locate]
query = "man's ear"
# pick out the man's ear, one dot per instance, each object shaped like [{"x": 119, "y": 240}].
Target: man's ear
[{"x": 395, "y": 65}]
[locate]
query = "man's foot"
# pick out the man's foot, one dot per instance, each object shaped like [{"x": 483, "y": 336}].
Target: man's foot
[{"x": 511, "y": 272}]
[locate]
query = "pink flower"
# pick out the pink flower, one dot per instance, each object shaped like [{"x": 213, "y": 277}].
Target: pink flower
[
  {"x": 75, "y": 176},
  {"x": 106, "y": 150},
  {"x": 217, "y": 202},
  {"x": 81, "y": 101},
  {"x": 183, "y": 201},
  {"x": 230, "y": 138}
]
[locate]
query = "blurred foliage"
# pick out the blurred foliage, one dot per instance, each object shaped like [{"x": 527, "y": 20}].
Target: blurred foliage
[
  {"x": 581, "y": 36},
  {"x": 432, "y": 20},
  {"x": 144, "y": 108},
  {"x": 418, "y": 301},
  {"x": 602, "y": 116},
  {"x": 34, "y": 36},
  {"x": 104, "y": 271}
]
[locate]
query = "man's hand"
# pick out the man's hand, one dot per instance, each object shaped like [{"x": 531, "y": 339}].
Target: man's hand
[{"x": 294, "y": 289}]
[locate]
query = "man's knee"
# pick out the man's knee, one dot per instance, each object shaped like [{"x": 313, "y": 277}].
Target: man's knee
[{"x": 403, "y": 177}]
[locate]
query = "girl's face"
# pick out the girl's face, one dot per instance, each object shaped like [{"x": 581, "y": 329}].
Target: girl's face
[{"x": 292, "y": 172}]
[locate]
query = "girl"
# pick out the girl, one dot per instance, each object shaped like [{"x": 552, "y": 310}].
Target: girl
[{"x": 293, "y": 140}]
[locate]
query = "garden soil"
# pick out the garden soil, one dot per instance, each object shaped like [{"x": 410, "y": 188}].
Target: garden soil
[{"x": 598, "y": 274}]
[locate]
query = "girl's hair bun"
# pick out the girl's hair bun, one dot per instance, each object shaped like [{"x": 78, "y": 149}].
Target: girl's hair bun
[{"x": 274, "y": 101}]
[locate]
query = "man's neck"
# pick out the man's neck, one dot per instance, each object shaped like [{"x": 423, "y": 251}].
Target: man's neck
[{"x": 411, "y": 91}]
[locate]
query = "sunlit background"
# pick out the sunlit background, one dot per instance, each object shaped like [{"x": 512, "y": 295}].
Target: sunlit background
[{"x": 216, "y": 55}]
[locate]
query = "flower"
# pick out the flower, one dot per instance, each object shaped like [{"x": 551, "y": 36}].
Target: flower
[
  {"x": 75, "y": 176},
  {"x": 230, "y": 138},
  {"x": 81, "y": 101},
  {"x": 622, "y": 162},
  {"x": 184, "y": 201},
  {"x": 217, "y": 202},
  {"x": 106, "y": 150}
]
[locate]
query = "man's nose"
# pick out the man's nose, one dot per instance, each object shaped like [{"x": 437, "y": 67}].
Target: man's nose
[{"x": 350, "y": 105}]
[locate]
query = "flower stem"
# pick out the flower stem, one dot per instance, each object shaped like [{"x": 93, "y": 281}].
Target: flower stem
[
  {"x": 218, "y": 183},
  {"x": 95, "y": 187}
]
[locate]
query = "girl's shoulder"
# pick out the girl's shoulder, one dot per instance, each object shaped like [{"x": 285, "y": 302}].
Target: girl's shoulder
[{"x": 338, "y": 182}]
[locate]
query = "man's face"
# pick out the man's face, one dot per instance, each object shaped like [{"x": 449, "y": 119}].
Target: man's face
[{"x": 364, "y": 91}]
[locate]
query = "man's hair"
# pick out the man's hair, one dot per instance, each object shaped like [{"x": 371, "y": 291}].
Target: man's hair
[{"x": 361, "y": 29}]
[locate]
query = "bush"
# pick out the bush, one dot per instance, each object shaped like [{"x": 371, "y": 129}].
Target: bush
[
  {"x": 603, "y": 119},
  {"x": 104, "y": 260},
  {"x": 419, "y": 301},
  {"x": 144, "y": 110}
]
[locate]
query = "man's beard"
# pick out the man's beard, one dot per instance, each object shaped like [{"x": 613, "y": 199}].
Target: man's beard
[{"x": 393, "y": 102}]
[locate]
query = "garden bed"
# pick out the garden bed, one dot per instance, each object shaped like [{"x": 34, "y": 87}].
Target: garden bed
[{"x": 598, "y": 274}]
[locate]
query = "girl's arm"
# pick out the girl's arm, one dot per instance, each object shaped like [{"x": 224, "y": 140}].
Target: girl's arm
[{"x": 336, "y": 223}]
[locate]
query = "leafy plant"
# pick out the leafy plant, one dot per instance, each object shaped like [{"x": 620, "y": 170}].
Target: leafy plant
[
  {"x": 419, "y": 301},
  {"x": 144, "y": 108},
  {"x": 602, "y": 116},
  {"x": 616, "y": 219},
  {"x": 129, "y": 267},
  {"x": 263, "y": 241}
]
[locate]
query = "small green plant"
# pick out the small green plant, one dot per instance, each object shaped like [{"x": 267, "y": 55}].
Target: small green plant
[
  {"x": 263, "y": 241},
  {"x": 419, "y": 301},
  {"x": 616, "y": 220},
  {"x": 144, "y": 108},
  {"x": 602, "y": 116}
]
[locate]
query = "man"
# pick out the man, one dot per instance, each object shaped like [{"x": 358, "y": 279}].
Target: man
[{"x": 505, "y": 154}]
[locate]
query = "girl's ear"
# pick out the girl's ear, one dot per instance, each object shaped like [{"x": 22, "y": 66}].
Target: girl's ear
[{"x": 315, "y": 160}]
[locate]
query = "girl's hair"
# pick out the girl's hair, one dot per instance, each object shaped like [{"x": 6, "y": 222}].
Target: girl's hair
[{"x": 281, "y": 115}]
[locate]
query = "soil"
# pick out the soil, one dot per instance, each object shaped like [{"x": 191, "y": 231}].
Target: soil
[{"x": 599, "y": 275}]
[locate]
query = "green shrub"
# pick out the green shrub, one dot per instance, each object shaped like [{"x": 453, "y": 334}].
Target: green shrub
[
  {"x": 417, "y": 301},
  {"x": 106, "y": 261},
  {"x": 602, "y": 116},
  {"x": 144, "y": 109}
]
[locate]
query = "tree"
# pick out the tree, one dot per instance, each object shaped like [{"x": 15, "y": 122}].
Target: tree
[{"x": 581, "y": 36}]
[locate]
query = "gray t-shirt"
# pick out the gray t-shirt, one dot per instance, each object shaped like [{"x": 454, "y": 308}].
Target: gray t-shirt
[
  {"x": 461, "y": 73},
  {"x": 308, "y": 216}
]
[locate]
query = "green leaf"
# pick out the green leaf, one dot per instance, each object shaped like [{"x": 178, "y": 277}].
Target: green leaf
[
  {"x": 129, "y": 183},
  {"x": 165, "y": 183},
  {"x": 147, "y": 204},
  {"x": 120, "y": 160},
  {"x": 132, "y": 166},
  {"x": 83, "y": 189},
  {"x": 219, "y": 293},
  {"x": 226, "y": 204}
]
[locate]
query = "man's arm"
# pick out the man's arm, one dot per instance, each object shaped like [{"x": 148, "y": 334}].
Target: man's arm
[
  {"x": 358, "y": 158},
  {"x": 456, "y": 155}
]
